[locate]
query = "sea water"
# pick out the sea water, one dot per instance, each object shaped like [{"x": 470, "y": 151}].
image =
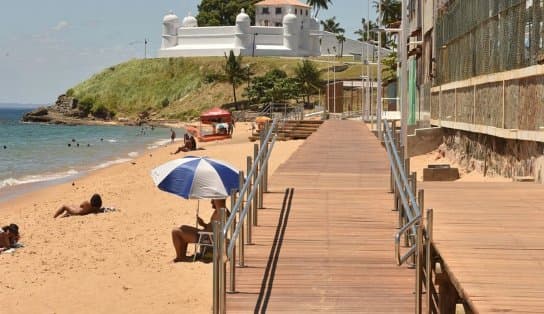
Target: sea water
[{"x": 32, "y": 153}]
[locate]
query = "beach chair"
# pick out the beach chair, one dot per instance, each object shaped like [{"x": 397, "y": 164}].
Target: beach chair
[{"x": 205, "y": 241}]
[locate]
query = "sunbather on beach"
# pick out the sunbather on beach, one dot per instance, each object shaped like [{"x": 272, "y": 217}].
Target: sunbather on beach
[
  {"x": 184, "y": 235},
  {"x": 9, "y": 235},
  {"x": 87, "y": 207}
]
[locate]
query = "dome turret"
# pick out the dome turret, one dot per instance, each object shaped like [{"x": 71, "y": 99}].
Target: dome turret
[
  {"x": 242, "y": 30},
  {"x": 242, "y": 17},
  {"x": 170, "y": 24},
  {"x": 291, "y": 28},
  {"x": 170, "y": 17},
  {"x": 290, "y": 18},
  {"x": 189, "y": 21}
]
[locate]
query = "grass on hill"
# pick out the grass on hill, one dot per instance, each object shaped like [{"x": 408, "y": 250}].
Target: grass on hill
[{"x": 178, "y": 88}]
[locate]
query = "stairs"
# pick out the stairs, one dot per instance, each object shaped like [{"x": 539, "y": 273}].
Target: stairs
[{"x": 292, "y": 130}]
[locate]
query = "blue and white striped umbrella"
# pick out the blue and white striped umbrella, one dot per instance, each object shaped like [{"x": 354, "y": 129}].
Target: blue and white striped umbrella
[{"x": 196, "y": 177}]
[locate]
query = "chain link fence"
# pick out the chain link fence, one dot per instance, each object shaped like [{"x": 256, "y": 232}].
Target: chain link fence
[{"x": 476, "y": 37}]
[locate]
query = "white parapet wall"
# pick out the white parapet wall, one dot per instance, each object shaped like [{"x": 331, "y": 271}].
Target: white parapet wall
[{"x": 299, "y": 36}]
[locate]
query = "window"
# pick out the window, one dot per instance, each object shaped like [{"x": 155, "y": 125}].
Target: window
[
  {"x": 265, "y": 22},
  {"x": 278, "y": 25},
  {"x": 265, "y": 10},
  {"x": 278, "y": 10},
  {"x": 306, "y": 12},
  {"x": 296, "y": 11}
]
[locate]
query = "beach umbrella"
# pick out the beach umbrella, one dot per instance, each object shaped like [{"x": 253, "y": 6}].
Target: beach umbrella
[{"x": 196, "y": 178}]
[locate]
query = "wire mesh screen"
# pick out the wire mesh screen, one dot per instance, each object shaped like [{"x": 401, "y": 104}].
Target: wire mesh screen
[{"x": 475, "y": 37}]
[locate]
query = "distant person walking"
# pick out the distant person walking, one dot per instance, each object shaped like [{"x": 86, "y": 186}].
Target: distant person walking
[{"x": 172, "y": 135}]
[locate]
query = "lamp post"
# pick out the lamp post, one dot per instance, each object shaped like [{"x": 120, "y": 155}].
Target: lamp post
[
  {"x": 404, "y": 78},
  {"x": 334, "y": 81}
]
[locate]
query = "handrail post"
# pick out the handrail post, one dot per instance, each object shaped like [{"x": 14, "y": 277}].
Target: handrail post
[
  {"x": 419, "y": 256},
  {"x": 241, "y": 221},
  {"x": 216, "y": 282},
  {"x": 261, "y": 168},
  {"x": 249, "y": 219},
  {"x": 222, "y": 264},
  {"x": 265, "y": 175},
  {"x": 428, "y": 248},
  {"x": 232, "y": 258},
  {"x": 414, "y": 183},
  {"x": 255, "y": 175}
]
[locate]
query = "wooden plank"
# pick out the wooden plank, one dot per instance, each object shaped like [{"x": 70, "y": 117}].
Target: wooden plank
[
  {"x": 336, "y": 254},
  {"x": 491, "y": 239}
]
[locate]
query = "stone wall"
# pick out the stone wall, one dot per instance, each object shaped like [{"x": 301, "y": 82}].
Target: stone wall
[{"x": 494, "y": 155}]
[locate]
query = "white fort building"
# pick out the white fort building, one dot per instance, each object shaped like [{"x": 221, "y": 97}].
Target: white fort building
[{"x": 283, "y": 28}]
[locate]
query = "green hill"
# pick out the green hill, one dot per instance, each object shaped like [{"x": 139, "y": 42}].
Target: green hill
[{"x": 177, "y": 88}]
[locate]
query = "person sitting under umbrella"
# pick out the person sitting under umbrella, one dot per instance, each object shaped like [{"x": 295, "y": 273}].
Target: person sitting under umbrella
[{"x": 184, "y": 235}]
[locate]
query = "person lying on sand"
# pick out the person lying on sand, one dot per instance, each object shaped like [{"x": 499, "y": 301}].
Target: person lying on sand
[
  {"x": 9, "y": 235},
  {"x": 184, "y": 235},
  {"x": 87, "y": 207}
]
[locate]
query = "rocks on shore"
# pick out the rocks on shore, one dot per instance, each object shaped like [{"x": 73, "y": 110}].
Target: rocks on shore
[{"x": 64, "y": 111}]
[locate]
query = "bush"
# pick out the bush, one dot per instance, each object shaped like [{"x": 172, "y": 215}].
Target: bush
[
  {"x": 70, "y": 92},
  {"x": 100, "y": 111},
  {"x": 86, "y": 105},
  {"x": 165, "y": 102},
  {"x": 212, "y": 77}
]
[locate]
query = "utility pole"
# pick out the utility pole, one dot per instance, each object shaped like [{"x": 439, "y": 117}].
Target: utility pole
[
  {"x": 404, "y": 77},
  {"x": 145, "y": 48},
  {"x": 379, "y": 92}
]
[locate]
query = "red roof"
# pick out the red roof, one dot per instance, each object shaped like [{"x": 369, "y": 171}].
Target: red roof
[
  {"x": 215, "y": 112},
  {"x": 282, "y": 2}
]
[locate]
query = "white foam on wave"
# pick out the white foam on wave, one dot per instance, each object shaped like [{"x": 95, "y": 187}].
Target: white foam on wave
[
  {"x": 37, "y": 178},
  {"x": 133, "y": 154},
  {"x": 110, "y": 162},
  {"x": 111, "y": 140},
  {"x": 158, "y": 143}
]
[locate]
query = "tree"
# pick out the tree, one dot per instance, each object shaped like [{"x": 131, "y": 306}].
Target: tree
[
  {"x": 341, "y": 39},
  {"x": 362, "y": 33},
  {"x": 389, "y": 69},
  {"x": 223, "y": 13},
  {"x": 318, "y": 4},
  {"x": 274, "y": 86},
  {"x": 330, "y": 25},
  {"x": 233, "y": 71},
  {"x": 391, "y": 11},
  {"x": 309, "y": 78}
]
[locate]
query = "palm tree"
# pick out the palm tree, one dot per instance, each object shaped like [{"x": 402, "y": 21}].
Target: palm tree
[
  {"x": 362, "y": 32},
  {"x": 341, "y": 39},
  {"x": 391, "y": 11},
  {"x": 309, "y": 78},
  {"x": 234, "y": 72},
  {"x": 318, "y": 4},
  {"x": 330, "y": 25}
]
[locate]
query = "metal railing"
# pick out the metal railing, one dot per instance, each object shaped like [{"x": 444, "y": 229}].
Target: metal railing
[
  {"x": 230, "y": 233},
  {"x": 413, "y": 228}
]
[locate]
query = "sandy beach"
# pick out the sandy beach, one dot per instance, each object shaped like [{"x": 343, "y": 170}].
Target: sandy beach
[{"x": 117, "y": 262}]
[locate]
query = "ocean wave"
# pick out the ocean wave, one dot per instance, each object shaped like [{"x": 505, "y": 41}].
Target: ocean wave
[
  {"x": 111, "y": 140},
  {"x": 133, "y": 154},
  {"x": 37, "y": 178},
  {"x": 158, "y": 143},
  {"x": 111, "y": 162}
]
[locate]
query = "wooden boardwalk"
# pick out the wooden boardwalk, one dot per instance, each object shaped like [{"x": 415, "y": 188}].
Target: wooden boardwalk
[
  {"x": 491, "y": 237},
  {"x": 332, "y": 251}
]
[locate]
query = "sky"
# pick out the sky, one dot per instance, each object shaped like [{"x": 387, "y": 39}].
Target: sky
[{"x": 46, "y": 47}]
